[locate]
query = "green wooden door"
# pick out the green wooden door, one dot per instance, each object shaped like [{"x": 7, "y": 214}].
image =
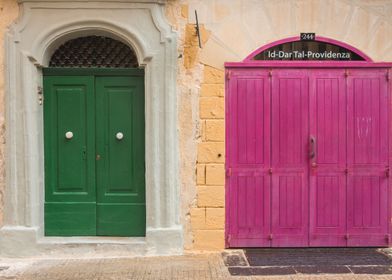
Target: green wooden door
[
  {"x": 94, "y": 153},
  {"x": 120, "y": 150}
]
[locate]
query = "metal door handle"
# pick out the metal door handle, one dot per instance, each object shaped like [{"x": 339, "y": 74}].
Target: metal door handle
[
  {"x": 312, "y": 153},
  {"x": 119, "y": 135},
  {"x": 69, "y": 135}
]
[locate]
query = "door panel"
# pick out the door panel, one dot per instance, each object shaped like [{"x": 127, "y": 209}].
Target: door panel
[
  {"x": 367, "y": 158},
  {"x": 248, "y": 159},
  {"x": 322, "y": 136},
  {"x": 327, "y": 165},
  {"x": 94, "y": 181},
  {"x": 249, "y": 216},
  {"x": 290, "y": 130},
  {"x": 69, "y": 163},
  {"x": 120, "y": 167}
]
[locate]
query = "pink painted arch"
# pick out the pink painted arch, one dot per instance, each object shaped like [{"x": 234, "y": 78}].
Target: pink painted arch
[{"x": 250, "y": 57}]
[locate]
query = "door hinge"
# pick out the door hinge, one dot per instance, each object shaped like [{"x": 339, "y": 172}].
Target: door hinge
[
  {"x": 270, "y": 171},
  {"x": 387, "y": 172},
  {"x": 388, "y": 75},
  {"x": 270, "y": 73},
  {"x": 347, "y": 236},
  {"x": 388, "y": 238},
  {"x": 228, "y": 238},
  {"x": 228, "y": 75},
  {"x": 228, "y": 172},
  {"x": 40, "y": 95},
  {"x": 346, "y": 73},
  {"x": 270, "y": 236}
]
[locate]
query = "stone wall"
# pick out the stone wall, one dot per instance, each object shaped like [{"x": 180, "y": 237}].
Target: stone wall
[
  {"x": 231, "y": 29},
  {"x": 236, "y": 28},
  {"x": 8, "y": 13},
  {"x": 201, "y": 97},
  {"x": 207, "y": 217}
]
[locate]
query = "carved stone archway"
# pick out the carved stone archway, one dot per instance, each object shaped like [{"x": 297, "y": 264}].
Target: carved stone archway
[{"x": 42, "y": 28}]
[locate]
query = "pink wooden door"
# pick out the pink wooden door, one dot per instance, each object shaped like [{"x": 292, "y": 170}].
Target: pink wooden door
[
  {"x": 289, "y": 144},
  {"x": 248, "y": 159},
  {"x": 367, "y": 158},
  {"x": 307, "y": 158},
  {"x": 327, "y": 144}
]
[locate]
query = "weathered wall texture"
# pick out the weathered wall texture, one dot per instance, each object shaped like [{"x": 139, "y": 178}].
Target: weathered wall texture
[
  {"x": 8, "y": 13},
  {"x": 190, "y": 76},
  {"x": 236, "y": 28},
  {"x": 231, "y": 29},
  {"x": 239, "y": 27}
]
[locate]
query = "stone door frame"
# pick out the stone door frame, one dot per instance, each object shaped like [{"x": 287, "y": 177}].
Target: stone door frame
[{"x": 42, "y": 27}]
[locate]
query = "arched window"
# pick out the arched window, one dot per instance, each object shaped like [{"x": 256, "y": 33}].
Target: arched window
[{"x": 94, "y": 51}]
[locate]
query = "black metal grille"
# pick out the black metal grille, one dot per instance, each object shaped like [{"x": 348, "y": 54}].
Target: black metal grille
[{"x": 94, "y": 51}]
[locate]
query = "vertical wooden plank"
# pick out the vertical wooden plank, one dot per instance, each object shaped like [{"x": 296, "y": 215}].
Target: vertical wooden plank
[
  {"x": 389, "y": 129},
  {"x": 290, "y": 129},
  {"x": 327, "y": 168},
  {"x": 247, "y": 163},
  {"x": 367, "y": 193}
]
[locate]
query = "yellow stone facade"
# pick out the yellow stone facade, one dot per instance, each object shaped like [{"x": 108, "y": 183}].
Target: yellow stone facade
[
  {"x": 236, "y": 28},
  {"x": 208, "y": 215},
  {"x": 230, "y": 30}
]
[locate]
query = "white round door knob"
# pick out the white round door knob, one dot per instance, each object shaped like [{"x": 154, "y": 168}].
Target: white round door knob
[
  {"x": 119, "y": 135},
  {"x": 69, "y": 135}
]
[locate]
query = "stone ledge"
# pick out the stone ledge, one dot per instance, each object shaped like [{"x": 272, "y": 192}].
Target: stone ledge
[{"x": 25, "y": 242}]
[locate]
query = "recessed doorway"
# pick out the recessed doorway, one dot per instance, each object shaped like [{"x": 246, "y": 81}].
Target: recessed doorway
[{"x": 94, "y": 140}]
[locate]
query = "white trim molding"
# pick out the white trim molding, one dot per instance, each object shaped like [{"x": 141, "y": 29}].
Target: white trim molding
[{"x": 29, "y": 43}]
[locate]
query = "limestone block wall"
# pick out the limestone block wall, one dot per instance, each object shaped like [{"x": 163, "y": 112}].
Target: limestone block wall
[
  {"x": 236, "y": 28},
  {"x": 230, "y": 29},
  {"x": 201, "y": 132},
  {"x": 207, "y": 216},
  {"x": 8, "y": 13}
]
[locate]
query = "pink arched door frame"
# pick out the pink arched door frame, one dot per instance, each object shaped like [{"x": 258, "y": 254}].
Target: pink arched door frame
[
  {"x": 367, "y": 63},
  {"x": 250, "y": 57}
]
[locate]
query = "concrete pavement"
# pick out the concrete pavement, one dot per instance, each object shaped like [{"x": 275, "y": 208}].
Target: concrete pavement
[{"x": 188, "y": 266}]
